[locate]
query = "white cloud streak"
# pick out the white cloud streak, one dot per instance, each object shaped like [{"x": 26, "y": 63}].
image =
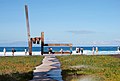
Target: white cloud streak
[{"x": 81, "y": 32}]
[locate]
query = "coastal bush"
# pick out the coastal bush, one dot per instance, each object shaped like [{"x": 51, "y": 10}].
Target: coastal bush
[
  {"x": 105, "y": 67},
  {"x": 19, "y": 68}
]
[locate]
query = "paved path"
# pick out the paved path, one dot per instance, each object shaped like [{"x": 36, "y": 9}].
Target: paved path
[{"x": 49, "y": 70}]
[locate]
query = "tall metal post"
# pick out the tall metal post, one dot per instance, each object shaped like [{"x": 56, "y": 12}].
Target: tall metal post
[
  {"x": 42, "y": 43},
  {"x": 28, "y": 31}
]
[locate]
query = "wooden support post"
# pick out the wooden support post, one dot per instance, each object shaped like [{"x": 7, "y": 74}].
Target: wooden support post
[
  {"x": 30, "y": 47},
  {"x": 42, "y": 43},
  {"x": 57, "y": 44},
  {"x": 28, "y": 31}
]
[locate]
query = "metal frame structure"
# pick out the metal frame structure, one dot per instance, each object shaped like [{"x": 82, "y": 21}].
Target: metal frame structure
[{"x": 38, "y": 39}]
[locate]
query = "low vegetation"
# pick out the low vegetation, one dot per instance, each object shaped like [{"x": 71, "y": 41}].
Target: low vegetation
[
  {"x": 19, "y": 68},
  {"x": 107, "y": 68}
]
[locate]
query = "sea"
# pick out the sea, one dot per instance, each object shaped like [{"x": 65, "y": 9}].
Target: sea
[
  {"x": 87, "y": 49},
  {"x": 37, "y": 49}
]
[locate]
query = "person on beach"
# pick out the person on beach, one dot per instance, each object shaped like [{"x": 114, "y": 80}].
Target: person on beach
[
  {"x": 70, "y": 51},
  {"x": 118, "y": 49},
  {"x": 93, "y": 50},
  {"x": 50, "y": 50},
  {"x": 77, "y": 50},
  {"x": 81, "y": 51},
  {"x": 4, "y": 51},
  {"x": 96, "y": 50},
  {"x": 25, "y": 51},
  {"x": 61, "y": 50},
  {"x": 13, "y": 50}
]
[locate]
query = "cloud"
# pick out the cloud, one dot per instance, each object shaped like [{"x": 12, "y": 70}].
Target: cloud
[
  {"x": 117, "y": 40},
  {"x": 81, "y": 32},
  {"x": 14, "y": 44},
  {"x": 98, "y": 43}
]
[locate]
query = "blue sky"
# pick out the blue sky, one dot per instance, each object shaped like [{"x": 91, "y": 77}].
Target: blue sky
[{"x": 81, "y": 22}]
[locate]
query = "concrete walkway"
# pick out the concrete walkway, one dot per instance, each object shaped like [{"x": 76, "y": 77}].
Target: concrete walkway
[{"x": 49, "y": 70}]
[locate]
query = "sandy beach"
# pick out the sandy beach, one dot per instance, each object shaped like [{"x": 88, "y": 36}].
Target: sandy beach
[{"x": 86, "y": 52}]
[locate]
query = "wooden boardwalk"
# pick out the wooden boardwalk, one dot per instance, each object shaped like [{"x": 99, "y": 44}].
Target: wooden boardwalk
[{"x": 49, "y": 70}]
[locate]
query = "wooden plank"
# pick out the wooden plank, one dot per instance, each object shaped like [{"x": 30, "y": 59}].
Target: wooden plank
[
  {"x": 38, "y": 38},
  {"x": 57, "y": 44},
  {"x": 58, "y": 52}
]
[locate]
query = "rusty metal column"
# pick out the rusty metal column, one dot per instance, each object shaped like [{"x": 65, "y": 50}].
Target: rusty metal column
[
  {"x": 30, "y": 47},
  {"x": 28, "y": 31},
  {"x": 42, "y": 43}
]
